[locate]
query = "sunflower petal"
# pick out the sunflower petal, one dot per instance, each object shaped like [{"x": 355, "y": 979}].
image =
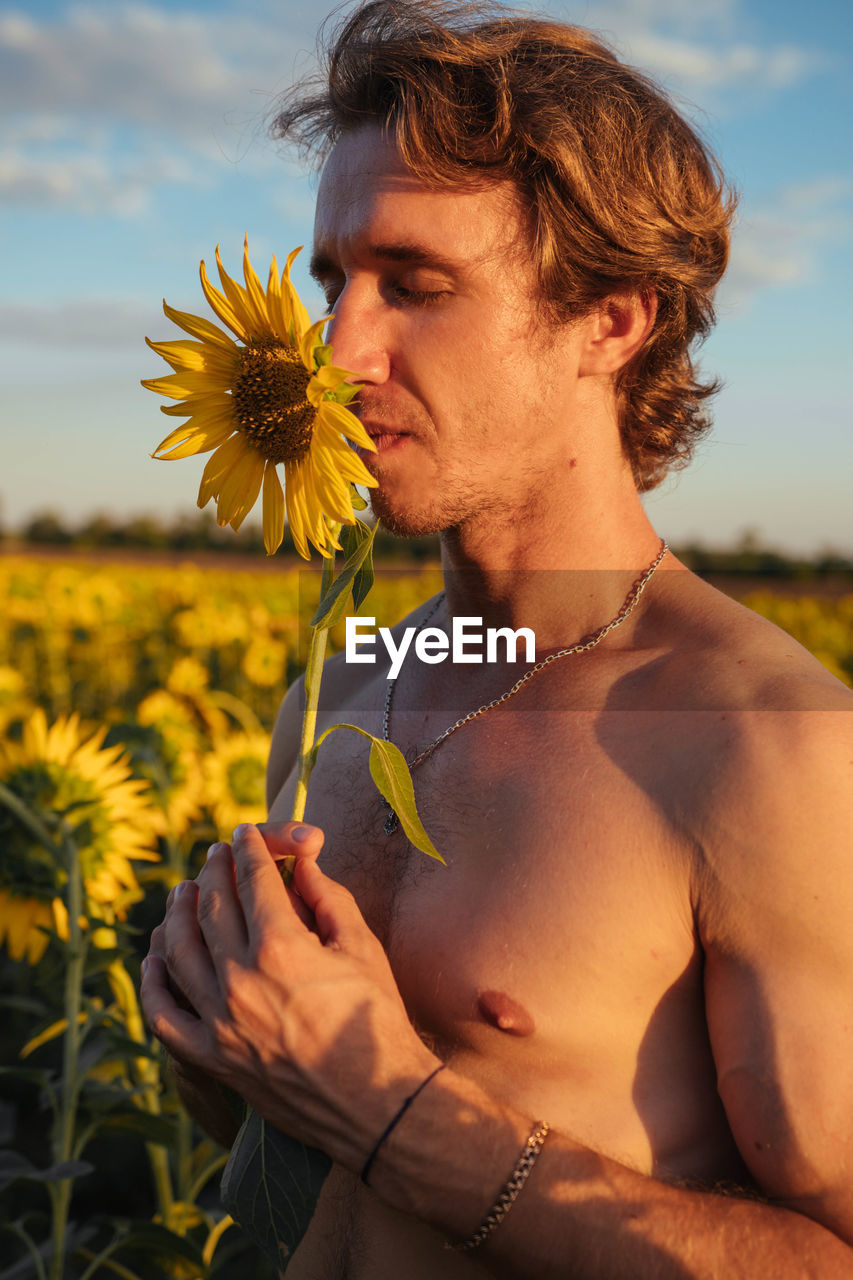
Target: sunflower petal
[
  {"x": 296, "y": 512},
  {"x": 240, "y": 488},
  {"x": 273, "y": 509},
  {"x": 220, "y": 304},
  {"x": 218, "y": 466},
  {"x": 309, "y": 340},
  {"x": 240, "y": 302},
  {"x": 301, "y": 319},
  {"x": 177, "y": 386},
  {"x": 201, "y": 440},
  {"x": 195, "y": 356},
  {"x": 344, "y": 421},
  {"x": 200, "y": 328}
]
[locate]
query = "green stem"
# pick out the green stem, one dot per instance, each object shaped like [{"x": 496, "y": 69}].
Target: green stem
[
  {"x": 147, "y": 1074},
  {"x": 22, "y": 1234},
  {"x": 313, "y": 676},
  {"x": 64, "y": 1135},
  {"x": 28, "y": 819},
  {"x": 214, "y": 1237}
]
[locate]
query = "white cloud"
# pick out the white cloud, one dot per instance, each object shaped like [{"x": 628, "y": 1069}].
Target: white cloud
[
  {"x": 701, "y": 66},
  {"x": 90, "y": 323},
  {"x": 784, "y": 243},
  {"x": 144, "y": 66},
  {"x": 103, "y": 103},
  {"x": 87, "y": 181}
]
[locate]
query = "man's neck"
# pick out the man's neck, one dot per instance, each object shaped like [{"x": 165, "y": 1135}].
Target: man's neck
[{"x": 561, "y": 564}]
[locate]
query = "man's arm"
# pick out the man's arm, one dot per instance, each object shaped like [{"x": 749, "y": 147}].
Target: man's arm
[{"x": 310, "y": 1028}]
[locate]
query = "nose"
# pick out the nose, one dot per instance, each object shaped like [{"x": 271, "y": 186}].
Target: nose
[{"x": 358, "y": 335}]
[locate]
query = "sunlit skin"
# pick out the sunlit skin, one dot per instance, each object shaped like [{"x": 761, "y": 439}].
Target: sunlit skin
[{"x": 642, "y": 933}]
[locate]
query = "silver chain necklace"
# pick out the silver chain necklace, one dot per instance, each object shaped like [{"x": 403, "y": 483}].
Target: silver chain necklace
[{"x": 629, "y": 604}]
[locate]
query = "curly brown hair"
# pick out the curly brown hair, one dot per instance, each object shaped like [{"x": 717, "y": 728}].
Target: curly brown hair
[{"x": 621, "y": 193}]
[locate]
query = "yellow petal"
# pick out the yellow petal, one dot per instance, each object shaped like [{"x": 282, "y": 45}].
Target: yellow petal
[
  {"x": 217, "y": 468},
  {"x": 220, "y": 304},
  {"x": 240, "y": 301},
  {"x": 240, "y": 488},
  {"x": 196, "y": 356},
  {"x": 295, "y": 498},
  {"x": 273, "y": 506},
  {"x": 177, "y": 386},
  {"x": 201, "y": 440},
  {"x": 309, "y": 340},
  {"x": 256, "y": 297},
  {"x": 214, "y": 402},
  {"x": 301, "y": 318},
  {"x": 200, "y": 328},
  {"x": 346, "y": 423}
]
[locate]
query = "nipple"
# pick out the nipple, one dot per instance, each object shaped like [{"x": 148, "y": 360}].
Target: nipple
[{"x": 501, "y": 1011}]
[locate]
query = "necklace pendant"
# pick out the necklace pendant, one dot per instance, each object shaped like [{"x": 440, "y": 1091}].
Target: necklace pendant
[{"x": 392, "y": 822}]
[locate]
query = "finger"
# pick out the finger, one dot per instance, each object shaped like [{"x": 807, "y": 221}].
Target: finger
[
  {"x": 292, "y": 839},
  {"x": 218, "y": 910},
  {"x": 188, "y": 961},
  {"x": 267, "y": 906},
  {"x": 339, "y": 920},
  {"x": 182, "y": 1034},
  {"x": 157, "y": 941}
]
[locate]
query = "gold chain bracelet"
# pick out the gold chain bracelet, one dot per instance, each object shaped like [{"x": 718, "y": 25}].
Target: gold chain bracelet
[{"x": 510, "y": 1191}]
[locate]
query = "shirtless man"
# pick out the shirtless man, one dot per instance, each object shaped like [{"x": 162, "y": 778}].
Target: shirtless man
[{"x": 643, "y": 931}]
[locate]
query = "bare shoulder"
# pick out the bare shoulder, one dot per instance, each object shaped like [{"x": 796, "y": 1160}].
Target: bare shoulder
[
  {"x": 754, "y": 739},
  {"x": 768, "y": 765},
  {"x": 725, "y": 656}
]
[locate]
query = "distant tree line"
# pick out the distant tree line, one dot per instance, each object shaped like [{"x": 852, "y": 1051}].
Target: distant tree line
[
  {"x": 199, "y": 532},
  {"x": 186, "y": 533}
]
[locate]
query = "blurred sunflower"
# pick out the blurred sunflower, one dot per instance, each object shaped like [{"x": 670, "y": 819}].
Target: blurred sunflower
[
  {"x": 274, "y": 399},
  {"x": 235, "y": 780},
  {"x": 66, "y": 770},
  {"x": 264, "y": 662}
]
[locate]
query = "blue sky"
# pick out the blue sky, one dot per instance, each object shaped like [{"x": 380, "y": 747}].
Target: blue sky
[{"x": 133, "y": 141}]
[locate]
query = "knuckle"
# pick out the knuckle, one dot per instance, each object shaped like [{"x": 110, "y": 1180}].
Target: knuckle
[{"x": 268, "y": 952}]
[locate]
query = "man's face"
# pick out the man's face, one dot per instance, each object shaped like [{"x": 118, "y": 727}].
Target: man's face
[{"x": 467, "y": 395}]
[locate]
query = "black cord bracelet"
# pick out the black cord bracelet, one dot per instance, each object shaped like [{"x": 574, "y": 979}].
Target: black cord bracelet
[{"x": 368, "y": 1164}]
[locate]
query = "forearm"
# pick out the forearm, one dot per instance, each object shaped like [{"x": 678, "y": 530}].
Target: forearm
[
  {"x": 581, "y": 1214},
  {"x": 207, "y": 1103}
]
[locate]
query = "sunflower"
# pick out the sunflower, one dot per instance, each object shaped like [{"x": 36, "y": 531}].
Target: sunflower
[
  {"x": 234, "y": 777},
  {"x": 67, "y": 770},
  {"x": 271, "y": 397}
]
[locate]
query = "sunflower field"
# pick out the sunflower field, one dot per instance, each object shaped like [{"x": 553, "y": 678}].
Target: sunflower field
[{"x": 136, "y": 707}]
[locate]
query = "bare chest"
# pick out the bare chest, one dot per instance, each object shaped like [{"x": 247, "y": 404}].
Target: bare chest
[{"x": 553, "y": 956}]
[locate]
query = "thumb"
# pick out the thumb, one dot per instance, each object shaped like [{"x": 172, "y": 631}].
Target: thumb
[{"x": 292, "y": 839}]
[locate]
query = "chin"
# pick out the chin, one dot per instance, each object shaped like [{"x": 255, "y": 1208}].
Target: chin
[{"x": 407, "y": 523}]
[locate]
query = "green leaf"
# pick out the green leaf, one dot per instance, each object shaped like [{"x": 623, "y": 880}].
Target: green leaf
[
  {"x": 358, "y": 503},
  {"x": 352, "y": 536},
  {"x": 271, "y": 1185},
  {"x": 333, "y": 605},
  {"x": 184, "y": 1258},
  {"x": 14, "y": 1166},
  {"x": 153, "y": 1128},
  {"x": 389, "y": 771}
]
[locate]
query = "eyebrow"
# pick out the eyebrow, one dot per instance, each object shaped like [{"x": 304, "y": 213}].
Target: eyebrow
[{"x": 411, "y": 254}]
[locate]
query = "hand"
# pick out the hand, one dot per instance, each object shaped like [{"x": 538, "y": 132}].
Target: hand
[{"x": 293, "y": 1002}]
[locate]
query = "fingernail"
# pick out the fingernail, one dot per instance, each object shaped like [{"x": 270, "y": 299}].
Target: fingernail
[
  {"x": 216, "y": 845},
  {"x": 301, "y": 834},
  {"x": 241, "y": 830},
  {"x": 143, "y": 966},
  {"x": 181, "y": 889}
]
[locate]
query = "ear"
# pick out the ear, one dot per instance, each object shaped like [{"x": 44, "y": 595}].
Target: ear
[{"x": 616, "y": 330}]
